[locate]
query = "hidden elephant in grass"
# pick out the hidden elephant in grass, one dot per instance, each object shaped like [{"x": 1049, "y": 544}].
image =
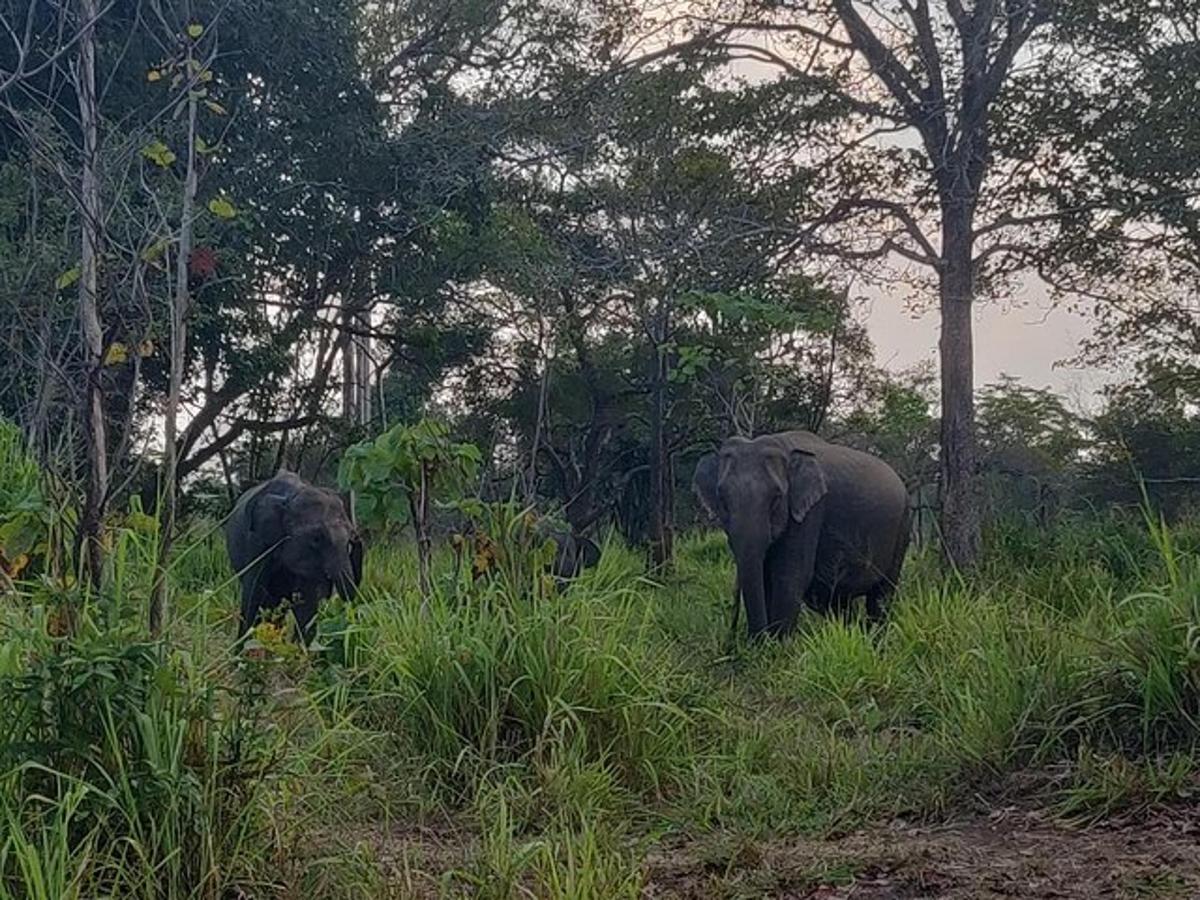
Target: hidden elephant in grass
[
  {"x": 573, "y": 554},
  {"x": 806, "y": 521},
  {"x": 291, "y": 541}
]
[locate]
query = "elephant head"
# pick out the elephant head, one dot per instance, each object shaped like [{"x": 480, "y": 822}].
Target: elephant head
[
  {"x": 285, "y": 538},
  {"x": 313, "y": 537},
  {"x": 759, "y": 491}
]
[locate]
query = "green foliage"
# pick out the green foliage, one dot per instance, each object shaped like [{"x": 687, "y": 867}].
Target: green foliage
[
  {"x": 24, "y": 511},
  {"x": 159, "y": 154},
  {"x": 532, "y": 687},
  {"x": 505, "y": 541},
  {"x": 1012, "y": 416},
  {"x": 390, "y": 473},
  {"x": 107, "y": 736},
  {"x": 552, "y": 736}
]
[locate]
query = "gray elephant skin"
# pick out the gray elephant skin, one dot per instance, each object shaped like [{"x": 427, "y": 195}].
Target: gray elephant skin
[
  {"x": 574, "y": 553},
  {"x": 806, "y": 520},
  {"x": 291, "y": 541}
]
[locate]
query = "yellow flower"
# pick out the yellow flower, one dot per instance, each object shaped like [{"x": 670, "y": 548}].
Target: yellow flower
[{"x": 268, "y": 634}]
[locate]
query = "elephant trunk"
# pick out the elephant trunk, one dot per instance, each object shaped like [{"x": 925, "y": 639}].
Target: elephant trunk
[
  {"x": 346, "y": 583},
  {"x": 750, "y": 584}
]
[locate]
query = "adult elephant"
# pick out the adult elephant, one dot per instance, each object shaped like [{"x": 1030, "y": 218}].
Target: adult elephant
[
  {"x": 288, "y": 540},
  {"x": 806, "y": 520}
]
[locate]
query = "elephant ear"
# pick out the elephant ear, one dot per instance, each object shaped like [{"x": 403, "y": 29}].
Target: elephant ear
[
  {"x": 704, "y": 482},
  {"x": 264, "y": 512},
  {"x": 806, "y": 483}
]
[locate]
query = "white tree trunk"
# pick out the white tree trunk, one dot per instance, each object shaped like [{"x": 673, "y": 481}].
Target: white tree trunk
[
  {"x": 92, "y": 522},
  {"x": 180, "y": 307}
]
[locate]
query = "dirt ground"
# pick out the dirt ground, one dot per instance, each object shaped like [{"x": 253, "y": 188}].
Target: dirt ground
[{"x": 1005, "y": 855}]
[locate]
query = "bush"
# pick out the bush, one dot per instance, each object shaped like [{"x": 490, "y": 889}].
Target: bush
[
  {"x": 24, "y": 512},
  {"x": 505, "y": 680},
  {"x": 127, "y": 769}
]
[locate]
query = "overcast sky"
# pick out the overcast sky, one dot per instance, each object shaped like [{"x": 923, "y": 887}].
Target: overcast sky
[{"x": 1027, "y": 337}]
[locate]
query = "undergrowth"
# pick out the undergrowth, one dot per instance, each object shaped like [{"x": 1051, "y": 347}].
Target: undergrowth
[{"x": 549, "y": 743}]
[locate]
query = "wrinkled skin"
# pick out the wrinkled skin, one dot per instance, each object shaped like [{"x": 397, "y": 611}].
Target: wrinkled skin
[
  {"x": 574, "y": 554},
  {"x": 290, "y": 541},
  {"x": 808, "y": 521}
]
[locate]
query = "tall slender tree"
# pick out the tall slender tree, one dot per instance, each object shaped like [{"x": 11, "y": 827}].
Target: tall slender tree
[
  {"x": 92, "y": 521},
  {"x": 913, "y": 174}
]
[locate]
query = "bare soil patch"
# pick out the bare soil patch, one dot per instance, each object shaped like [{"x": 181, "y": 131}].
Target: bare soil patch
[{"x": 1005, "y": 855}]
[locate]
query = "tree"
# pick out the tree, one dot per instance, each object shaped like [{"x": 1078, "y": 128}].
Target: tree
[
  {"x": 777, "y": 356},
  {"x": 398, "y": 477},
  {"x": 1147, "y": 438},
  {"x": 1031, "y": 447},
  {"x": 941, "y": 75},
  {"x": 1126, "y": 90},
  {"x": 91, "y": 524},
  {"x": 649, "y": 185},
  {"x": 1034, "y": 420},
  {"x": 192, "y": 64}
]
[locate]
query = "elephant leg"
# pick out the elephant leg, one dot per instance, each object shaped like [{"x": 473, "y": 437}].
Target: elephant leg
[
  {"x": 830, "y": 600},
  {"x": 791, "y": 562},
  {"x": 842, "y": 605},
  {"x": 733, "y": 619},
  {"x": 877, "y": 599},
  {"x": 879, "y": 595},
  {"x": 253, "y": 600},
  {"x": 305, "y": 610}
]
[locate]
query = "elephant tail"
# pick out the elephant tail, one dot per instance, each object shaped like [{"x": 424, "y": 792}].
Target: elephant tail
[{"x": 903, "y": 536}]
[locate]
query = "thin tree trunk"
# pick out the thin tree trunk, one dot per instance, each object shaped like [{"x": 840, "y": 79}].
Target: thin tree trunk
[
  {"x": 179, "y": 312},
  {"x": 531, "y": 484},
  {"x": 363, "y": 343},
  {"x": 226, "y": 470},
  {"x": 420, "y": 513},
  {"x": 349, "y": 358},
  {"x": 661, "y": 536},
  {"x": 92, "y": 521},
  {"x": 959, "y": 500}
]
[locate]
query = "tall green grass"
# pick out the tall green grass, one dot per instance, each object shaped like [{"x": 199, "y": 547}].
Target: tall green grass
[{"x": 556, "y": 737}]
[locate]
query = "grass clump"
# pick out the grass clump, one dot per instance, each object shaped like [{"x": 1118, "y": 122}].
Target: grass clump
[
  {"x": 567, "y": 688},
  {"x": 555, "y": 739}
]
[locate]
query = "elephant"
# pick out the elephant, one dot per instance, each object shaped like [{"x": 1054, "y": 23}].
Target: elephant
[
  {"x": 574, "y": 554},
  {"x": 806, "y": 520},
  {"x": 286, "y": 538}
]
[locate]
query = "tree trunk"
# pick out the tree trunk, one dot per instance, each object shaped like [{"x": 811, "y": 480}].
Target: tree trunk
[
  {"x": 363, "y": 342},
  {"x": 356, "y": 359},
  {"x": 960, "y": 509},
  {"x": 661, "y": 532},
  {"x": 420, "y": 516},
  {"x": 531, "y": 485},
  {"x": 349, "y": 364},
  {"x": 179, "y": 314},
  {"x": 92, "y": 521}
]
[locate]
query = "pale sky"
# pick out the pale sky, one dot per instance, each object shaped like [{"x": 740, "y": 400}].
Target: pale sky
[{"x": 1026, "y": 337}]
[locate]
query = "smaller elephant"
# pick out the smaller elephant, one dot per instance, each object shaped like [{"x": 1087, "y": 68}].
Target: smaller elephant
[
  {"x": 289, "y": 539},
  {"x": 574, "y": 554}
]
